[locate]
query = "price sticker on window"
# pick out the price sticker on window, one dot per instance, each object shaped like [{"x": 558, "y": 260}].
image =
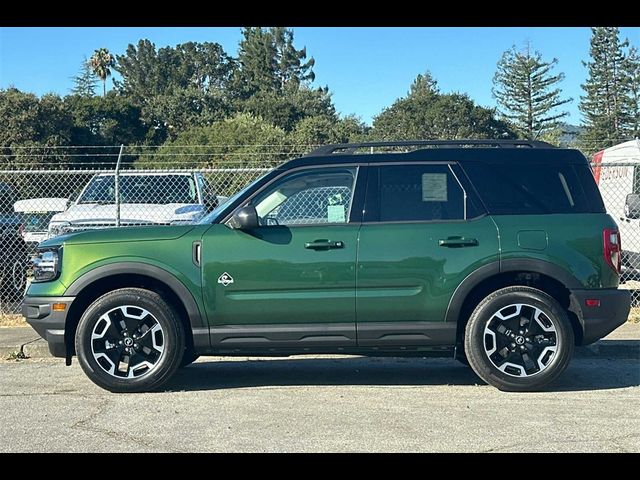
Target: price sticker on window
[
  {"x": 434, "y": 187},
  {"x": 336, "y": 214}
]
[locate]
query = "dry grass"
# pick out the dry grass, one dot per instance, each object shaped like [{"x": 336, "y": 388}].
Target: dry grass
[
  {"x": 12, "y": 321},
  {"x": 634, "y": 315}
]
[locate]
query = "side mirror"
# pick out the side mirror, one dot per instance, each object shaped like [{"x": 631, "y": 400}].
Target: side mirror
[
  {"x": 246, "y": 218},
  {"x": 632, "y": 206}
]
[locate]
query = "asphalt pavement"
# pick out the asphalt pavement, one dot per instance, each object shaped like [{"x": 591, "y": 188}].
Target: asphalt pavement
[{"x": 330, "y": 403}]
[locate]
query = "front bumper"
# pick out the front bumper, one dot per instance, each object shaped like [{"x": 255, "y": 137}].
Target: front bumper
[
  {"x": 50, "y": 324},
  {"x": 598, "y": 322}
]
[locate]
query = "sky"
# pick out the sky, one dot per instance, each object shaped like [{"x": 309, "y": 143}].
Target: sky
[{"x": 366, "y": 69}]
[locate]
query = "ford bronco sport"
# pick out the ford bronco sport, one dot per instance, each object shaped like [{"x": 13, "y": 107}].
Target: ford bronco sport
[{"x": 499, "y": 253}]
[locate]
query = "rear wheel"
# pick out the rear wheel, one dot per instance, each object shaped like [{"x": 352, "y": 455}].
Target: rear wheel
[
  {"x": 130, "y": 340},
  {"x": 519, "y": 339}
]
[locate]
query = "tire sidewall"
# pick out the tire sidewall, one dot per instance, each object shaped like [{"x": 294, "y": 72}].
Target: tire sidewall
[
  {"x": 474, "y": 339},
  {"x": 173, "y": 340}
]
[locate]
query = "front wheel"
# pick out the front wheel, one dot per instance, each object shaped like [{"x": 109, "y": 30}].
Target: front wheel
[
  {"x": 130, "y": 340},
  {"x": 519, "y": 339}
]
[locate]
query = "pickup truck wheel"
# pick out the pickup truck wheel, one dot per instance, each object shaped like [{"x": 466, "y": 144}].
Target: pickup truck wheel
[
  {"x": 14, "y": 279},
  {"x": 519, "y": 339},
  {"x": 130, "y": 340}
]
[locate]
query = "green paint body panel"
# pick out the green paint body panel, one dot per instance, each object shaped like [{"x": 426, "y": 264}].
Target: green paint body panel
[
  {"x": 574, "y": 243},
  {"x": 166, "y": 247},
  {"x": 400, "y": 272},
  {"x": 405, "y": 275},
  {"x": 277, "y": 279}
]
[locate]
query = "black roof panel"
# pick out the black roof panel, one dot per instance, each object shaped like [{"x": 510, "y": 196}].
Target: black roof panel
[{"x": 540, "y": 154}]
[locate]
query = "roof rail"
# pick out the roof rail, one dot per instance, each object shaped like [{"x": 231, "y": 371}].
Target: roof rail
[{"x": 350, "y": 148}]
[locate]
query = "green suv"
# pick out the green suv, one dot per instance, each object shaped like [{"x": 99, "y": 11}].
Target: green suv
[{"x": 499, "y": 253}]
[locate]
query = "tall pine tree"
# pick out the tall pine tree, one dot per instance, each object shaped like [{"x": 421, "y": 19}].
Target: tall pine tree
[
  {"x": 84, "y": 83},
  {"x": 270, "y": 62},
  {"x": 605, "y": 105},
  {"x": 632, "y": 99},
  {"x": 527, "y": 93}
]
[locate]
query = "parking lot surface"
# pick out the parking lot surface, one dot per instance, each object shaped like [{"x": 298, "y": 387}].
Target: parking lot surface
[{"x": 311, "y": 403}]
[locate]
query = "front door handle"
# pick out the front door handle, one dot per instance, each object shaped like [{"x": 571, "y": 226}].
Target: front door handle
[
  {"x": 458, "y": 242},
  {"x": 323, "y": 244}
]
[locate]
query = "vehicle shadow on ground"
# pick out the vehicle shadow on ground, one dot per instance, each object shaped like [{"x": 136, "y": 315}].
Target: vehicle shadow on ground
[{"x": 583, "y": 373}]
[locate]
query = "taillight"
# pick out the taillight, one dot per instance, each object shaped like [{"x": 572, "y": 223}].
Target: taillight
[
  {"x": 21, "y": 230},
  {"x": 612, "y": 249}
]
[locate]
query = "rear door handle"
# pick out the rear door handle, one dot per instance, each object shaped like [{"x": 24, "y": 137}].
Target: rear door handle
[
  {"x": 323, "y": 244},
  {"x": 458, "y": 242}
]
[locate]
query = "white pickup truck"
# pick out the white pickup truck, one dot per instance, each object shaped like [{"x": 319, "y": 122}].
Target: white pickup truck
[{"x": 156, "y": 198}]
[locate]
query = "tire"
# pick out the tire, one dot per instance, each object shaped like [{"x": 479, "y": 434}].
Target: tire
[
  {"x": 14, "y": 279},
  {"x": 526, "y": 359},
  {"x": 139, "y": 320},
  {"x": 188, "y": 358}
]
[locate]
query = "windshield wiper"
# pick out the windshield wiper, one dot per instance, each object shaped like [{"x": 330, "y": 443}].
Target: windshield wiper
[{"x": 98, "y": 202}]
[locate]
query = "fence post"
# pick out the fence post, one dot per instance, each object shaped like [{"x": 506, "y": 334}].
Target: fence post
[{"x": 117, "y": 185}]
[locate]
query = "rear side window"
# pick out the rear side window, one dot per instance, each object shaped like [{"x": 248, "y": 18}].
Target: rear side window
[
  {"x": 406, "y": 193},
  {"x": 521, "y": 189}
]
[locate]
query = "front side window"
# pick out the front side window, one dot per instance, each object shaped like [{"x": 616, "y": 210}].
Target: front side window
[
  {"x": 419, "y": 193},
  {"x": 304, "y": 198}
]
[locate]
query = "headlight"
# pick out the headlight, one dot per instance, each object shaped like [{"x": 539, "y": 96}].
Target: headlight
[
  {"x": 46, "y": 266},
  {"x": 58, "y": 228}
]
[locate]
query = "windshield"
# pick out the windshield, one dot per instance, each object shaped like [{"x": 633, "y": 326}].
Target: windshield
[
  {"x": 158, "y": 189},
  {"x": 213, "y": 215}
]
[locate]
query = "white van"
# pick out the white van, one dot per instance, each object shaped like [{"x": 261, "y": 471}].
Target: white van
[{"x": 617, "y": 172}]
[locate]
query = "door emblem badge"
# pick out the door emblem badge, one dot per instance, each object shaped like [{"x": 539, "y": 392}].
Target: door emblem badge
[{"x": 225, "y": 279}]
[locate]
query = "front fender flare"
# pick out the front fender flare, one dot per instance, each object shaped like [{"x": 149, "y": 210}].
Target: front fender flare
[{"x": 138, "y": 268}]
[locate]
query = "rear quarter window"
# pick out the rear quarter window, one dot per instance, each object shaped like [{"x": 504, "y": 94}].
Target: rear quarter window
[{"x": 530, "y": 189}]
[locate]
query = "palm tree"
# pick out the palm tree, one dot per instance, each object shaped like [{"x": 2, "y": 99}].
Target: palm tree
[{"x": 101, "y": 63}]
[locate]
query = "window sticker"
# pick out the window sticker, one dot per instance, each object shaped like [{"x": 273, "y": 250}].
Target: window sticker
[
  {"x": 434, "y": 187},
  {"x": 336, "y": 214}
]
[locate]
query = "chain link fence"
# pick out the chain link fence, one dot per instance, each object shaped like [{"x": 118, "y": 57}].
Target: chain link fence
[{"x": 46, "y": 201}]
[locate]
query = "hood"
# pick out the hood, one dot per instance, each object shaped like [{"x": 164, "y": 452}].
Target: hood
[
  {"x": 119, "y": 235},
  {"x": 93, "y": 213}
]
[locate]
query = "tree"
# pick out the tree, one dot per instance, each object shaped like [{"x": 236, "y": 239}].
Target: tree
[
  {"x": 290, "y": 66},
  {"x": 85, "y": 81},
  {"x": 101, "y": 63},
  {"x": 527, "y": 92},
  {"x": 147, "y": 72},
  {"x": 105, "y": 121},
  {"x": 40, "y": 124},
  {"x": 177, "y": 87},
  {"x": 295, "y": 103},
  {"x": 320, "y": 130},
  {"x": 632, "y": 71},
  {"x": 605, "y": 105},
  {"x": 427, "y": 114},
  {"x": 269, "y": 61},
  {"x": 274, "y": 80},
  {"x": 243, "y": 140}
]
